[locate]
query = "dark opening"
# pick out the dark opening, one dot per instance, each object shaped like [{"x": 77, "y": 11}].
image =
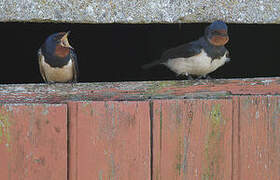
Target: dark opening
[{"x": 115, "y": 52}]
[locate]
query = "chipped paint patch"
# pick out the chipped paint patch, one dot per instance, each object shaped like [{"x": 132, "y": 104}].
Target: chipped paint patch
[
  {"x": 112, "y": 175},
  {"x": 257, "y": 114},
  {"x": 100, "y": 175},
  {"x": 179, "y": 156},
  {"x": 45, "y": 111},
  {"x": 266, "y": 82}
]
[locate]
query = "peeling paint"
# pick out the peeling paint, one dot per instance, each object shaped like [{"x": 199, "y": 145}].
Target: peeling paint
[
  {"x": 212, "y": 150},
  {"x": 61, "y": 93},
  {"x": 112, "y": 175},
  {"x": 267, "y": 82},
  {"x": 178, "y": 113},
  {"x": 179, "y": 155},
  {"x": 45, "y": 111},
  {"x": 5, "y": 134},
  {"x": 185, "y": 157},
  {"x": 100, "y": 175}
]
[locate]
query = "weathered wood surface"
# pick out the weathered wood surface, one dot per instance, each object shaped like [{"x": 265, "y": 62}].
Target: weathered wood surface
[
  {"x": 257, "y": 142},
  {"x": 60, "y": 93},
  {"x": 33, "y": 142},
  {"x": 192, "y": 139},
  {"x": 109, "y": 140}
]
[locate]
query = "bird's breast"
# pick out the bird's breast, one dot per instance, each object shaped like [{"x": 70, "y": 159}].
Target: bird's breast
[
  {"x": 200, "y": 64},
  {"x": 58, "y": 74}
]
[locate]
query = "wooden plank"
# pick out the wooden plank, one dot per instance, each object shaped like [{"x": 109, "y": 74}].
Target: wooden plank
[
  {"x": 192, "y": 139},
  {"x": 109, "y": 140},
  {"x": 258, "y": 138},
  {"x": 235, "y": 138},
  {"x": 33, "y": 142},
  {"x": 216, "y": 88}
]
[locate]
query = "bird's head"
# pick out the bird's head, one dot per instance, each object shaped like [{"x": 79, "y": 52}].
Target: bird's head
[
  {"x": 58, "y": 44},
  {"x": 61, "y": 39},
  {"x": 216, "y": 33}
]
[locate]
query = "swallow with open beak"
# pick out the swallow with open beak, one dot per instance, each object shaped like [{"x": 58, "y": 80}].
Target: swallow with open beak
[
  {"x": 199, "y": 57},
  {"x": 57, "y": 59}
]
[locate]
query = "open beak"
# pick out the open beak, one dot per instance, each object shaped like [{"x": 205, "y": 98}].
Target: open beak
[
  {"x": 67, "y": 33},
  {"x": 65, "y": 40}
]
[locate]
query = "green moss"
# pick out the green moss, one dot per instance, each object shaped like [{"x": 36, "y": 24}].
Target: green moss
[
  {"x": 100, "y": 175},
  {"x": 160, "y": 127},
  {"x": 179, "y": 156},
  {"x": 164, "y": 84},
  {"x": 4, "y": 128},
  {"x": 212, "y": 150}
]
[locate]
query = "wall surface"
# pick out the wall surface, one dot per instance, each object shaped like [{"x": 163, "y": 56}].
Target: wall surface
[{"x": 144, "y": 11}]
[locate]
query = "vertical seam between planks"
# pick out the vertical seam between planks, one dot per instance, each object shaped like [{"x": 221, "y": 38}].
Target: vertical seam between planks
[
  {"x": 232, "y": 138},
  {"x": 235, "y": 134},
  {"x": 238, "y": 135},
  {"x": 69, "y": 113},
  {"x": 76, "y": 138},
  {"x": 68, "y": 141},
  {"x": 151, "y": 106}
]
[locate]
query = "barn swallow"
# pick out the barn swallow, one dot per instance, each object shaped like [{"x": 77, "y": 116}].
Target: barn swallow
[
  {"x": 57, "y": 59},
  {"x": 199, "y": 57}
]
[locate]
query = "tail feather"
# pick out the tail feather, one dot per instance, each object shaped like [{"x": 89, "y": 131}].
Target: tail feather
[{"x": 150, "y": 65}]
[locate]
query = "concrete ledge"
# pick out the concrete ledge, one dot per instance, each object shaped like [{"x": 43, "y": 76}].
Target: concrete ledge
[
  {"x": 134, "y": 91},
  {"x": 140, "y": 11}
]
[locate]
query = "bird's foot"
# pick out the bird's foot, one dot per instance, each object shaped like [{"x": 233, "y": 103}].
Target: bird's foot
[
  {"x": 190, "y": 77},
  {"x": 205, "y": 77},
  {"x": 208, "y": 77},
  {"x": 50, "y": 82}
]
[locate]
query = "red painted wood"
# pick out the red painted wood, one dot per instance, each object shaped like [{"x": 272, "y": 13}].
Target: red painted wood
[
  {"x": 258, "y": 138},
  {"x": 192, "y": 139},
  {"x": 33, "y": 142},
  {"x": 109, "y": 140},
  {"x": 216, "y": 88},
  {"x": 235, "y": 138}
]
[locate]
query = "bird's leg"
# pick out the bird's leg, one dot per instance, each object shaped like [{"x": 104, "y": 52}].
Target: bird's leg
[
  {"x": 208, "y": 77},
  {"x": 189, "y": 76}
]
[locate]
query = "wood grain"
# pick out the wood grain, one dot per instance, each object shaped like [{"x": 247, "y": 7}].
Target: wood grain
[
  {"x": 33, "y": 142},
  {"x": 61, "y": 93},
  {"x": 192, "y": 139},
  {"x": 110, "y": 140}
]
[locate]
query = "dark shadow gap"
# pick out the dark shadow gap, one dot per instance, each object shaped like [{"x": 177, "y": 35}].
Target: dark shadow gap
[{"x": 115, "y": 52}]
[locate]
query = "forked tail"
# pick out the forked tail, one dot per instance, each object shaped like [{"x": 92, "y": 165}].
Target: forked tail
[{"x": 150, "y": 65}]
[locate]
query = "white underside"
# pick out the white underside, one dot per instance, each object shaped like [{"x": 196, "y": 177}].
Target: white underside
[
  {"x": 197, "y": 65},
  {"x": 63, "y": 74}
]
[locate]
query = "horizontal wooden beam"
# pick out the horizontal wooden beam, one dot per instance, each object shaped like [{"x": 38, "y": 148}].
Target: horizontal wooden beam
[
  {"x": 137, "y": 11},
  {"x": 183, "y": 89}
]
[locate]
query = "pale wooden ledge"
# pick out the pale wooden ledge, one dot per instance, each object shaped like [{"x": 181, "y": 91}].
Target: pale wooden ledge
[
  {"x": 140, "y": 11},
  {"x": 121, "y": 91}
]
